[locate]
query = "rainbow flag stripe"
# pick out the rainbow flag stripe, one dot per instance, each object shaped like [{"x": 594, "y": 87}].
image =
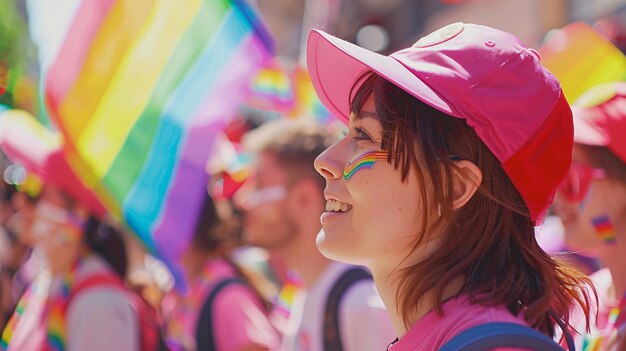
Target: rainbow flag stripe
[
  {"x": 366, "y": 160},
  {"x": 597, "y": 59},
  {"x": 604, "y": 229},
  {"x": 138, "y": 89},
  {"x": 287, "y": 295}
]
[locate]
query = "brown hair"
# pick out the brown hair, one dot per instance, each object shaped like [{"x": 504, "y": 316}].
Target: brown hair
[
  {"x": 209, "y": 234},
  {"x": 490, "y": 241},
  {"x": 296, "y": 144},
  {"x": 602, "y": 157}
]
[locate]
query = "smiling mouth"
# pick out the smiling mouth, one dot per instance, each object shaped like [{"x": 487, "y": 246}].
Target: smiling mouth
[{"x": 337, "y": 206}]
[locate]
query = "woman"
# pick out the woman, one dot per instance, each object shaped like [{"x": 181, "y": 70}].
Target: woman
[
  {"x": 220, "y": 310},
  {"x": 592, "y": 203},
  {"x": 68, "y": 306},
  {"x": 455, "y": 149},
  {"x": 75, "y": 247}
]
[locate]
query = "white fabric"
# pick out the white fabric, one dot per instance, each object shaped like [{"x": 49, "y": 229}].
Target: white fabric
[
  {"x": 101, "y": 318},
  {"x": 363, "y": 321}
]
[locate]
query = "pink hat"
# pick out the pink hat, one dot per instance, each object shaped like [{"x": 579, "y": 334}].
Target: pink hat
[
  {"x": 28, "y": 143},
  {"x": 600, "y": 118},
  {"x": 483, "y": 75}
]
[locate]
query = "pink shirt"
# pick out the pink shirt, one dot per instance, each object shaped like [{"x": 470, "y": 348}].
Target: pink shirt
[
  {"x": 433, "y": 330},
  {"x": 241, "y": 320}
]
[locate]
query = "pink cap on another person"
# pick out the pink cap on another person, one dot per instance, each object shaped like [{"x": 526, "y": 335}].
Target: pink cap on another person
[
  {"x": 483, "y": 75},
  {"x": 28, "y": 143},
  {"x": 600, "y": 118}
]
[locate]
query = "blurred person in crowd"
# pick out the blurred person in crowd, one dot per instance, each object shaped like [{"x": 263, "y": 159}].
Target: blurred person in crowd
[
  {"x": 78, "y": 300},
  {"x": 12, "y": 254},
  {"x": 592, "y": 203},
  {"x": 26, "y": 262},
  {"x": 456, "y": 146},
  {"x": 220, "y": 310},
  {"x": 325, "y": 305}
]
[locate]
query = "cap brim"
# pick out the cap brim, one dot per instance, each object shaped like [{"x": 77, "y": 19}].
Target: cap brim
[
  {"x": 27, "y": 142},
  {"x": 335, "y": 64}
]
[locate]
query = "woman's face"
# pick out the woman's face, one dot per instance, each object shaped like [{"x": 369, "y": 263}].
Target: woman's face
[
  {"x": 592, "y": 218},
  {"x": 373, "y": 217},
  {"x": 56, "y": 220}
]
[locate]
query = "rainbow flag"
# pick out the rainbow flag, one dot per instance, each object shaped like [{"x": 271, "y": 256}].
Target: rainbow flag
[
  {"x": 604, "y": 229},
  {"x": 581, "y": 58},
  {"x": 287, "y": 90},
  {"x": 287, "y": 295},
  {"x": 139, "y": 89},
  {"x": 272, "y": 89}
]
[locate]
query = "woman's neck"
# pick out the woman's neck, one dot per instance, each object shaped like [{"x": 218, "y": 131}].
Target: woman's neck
[{"x": 387, "y": 286}]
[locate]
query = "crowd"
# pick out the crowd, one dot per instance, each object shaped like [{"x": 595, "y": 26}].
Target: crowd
[{"x": 418, "y": 229}]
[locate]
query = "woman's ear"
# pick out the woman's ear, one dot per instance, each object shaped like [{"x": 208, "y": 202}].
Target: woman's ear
[{"x": 466, "y": 179}]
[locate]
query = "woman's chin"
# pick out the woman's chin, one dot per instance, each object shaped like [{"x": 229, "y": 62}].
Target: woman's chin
[{"x": 332, "y": 246}]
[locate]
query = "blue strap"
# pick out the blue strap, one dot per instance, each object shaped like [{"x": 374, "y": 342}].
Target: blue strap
[{"x": 493, "y": 335}]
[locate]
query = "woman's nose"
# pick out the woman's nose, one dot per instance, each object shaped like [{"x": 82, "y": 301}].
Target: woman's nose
[{"x": 327, "y": 164}]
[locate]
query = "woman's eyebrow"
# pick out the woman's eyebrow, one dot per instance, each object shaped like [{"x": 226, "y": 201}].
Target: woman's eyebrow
[{"x": 366, "y": 114}]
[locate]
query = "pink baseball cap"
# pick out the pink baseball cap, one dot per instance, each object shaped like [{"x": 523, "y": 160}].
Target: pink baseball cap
[
  {"x": 600, "y": 118},
  {"x": 28, "y": 143},
  {"x": 483, "y": 75}
]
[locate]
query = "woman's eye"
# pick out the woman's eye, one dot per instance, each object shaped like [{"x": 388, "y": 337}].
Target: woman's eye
[{"x": 360, "y": 134}]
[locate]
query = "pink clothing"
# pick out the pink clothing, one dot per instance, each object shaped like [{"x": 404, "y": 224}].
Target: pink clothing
[
  {"x": 116, "y": 325},
  {"x": 596, "y": 338},
  {"x": 433, "y": 330},
  {"x": 242, "y": 319}
]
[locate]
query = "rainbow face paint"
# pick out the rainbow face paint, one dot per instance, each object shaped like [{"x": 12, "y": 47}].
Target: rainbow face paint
[
  {"x": 364, "y": 161},
  {"x": 604, "y": 229}
]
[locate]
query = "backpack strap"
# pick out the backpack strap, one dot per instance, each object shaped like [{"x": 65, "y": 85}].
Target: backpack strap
[
  {"x": 332, "y": 332},
  {"x": 499, "y": 334},
  {"x": 205, "y": 339}
]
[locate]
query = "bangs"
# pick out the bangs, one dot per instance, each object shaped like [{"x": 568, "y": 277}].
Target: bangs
[{"x": 364, "y": 86}]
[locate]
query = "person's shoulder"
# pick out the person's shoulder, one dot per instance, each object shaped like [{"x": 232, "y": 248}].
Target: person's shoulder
[
  {"x": 602, "y": 279},
  {"x": 461, "y": 309},
  {"x": 101, "y": 299},
  {"x": 459, "y": 314},
  {"x": 96, "y": 297},
  {"x": 236, "y": 294}
]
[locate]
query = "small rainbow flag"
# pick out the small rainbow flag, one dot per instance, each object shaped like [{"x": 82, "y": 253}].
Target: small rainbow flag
[
  {"x": 139, "y": 89},
  {"x": 618, "y": 314},
  {"x": 287, "y": 90},
  {"x": 604, "y": 229},
  {"x": 272, "y": 89},
  {"x": 287, "y": 294}
]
